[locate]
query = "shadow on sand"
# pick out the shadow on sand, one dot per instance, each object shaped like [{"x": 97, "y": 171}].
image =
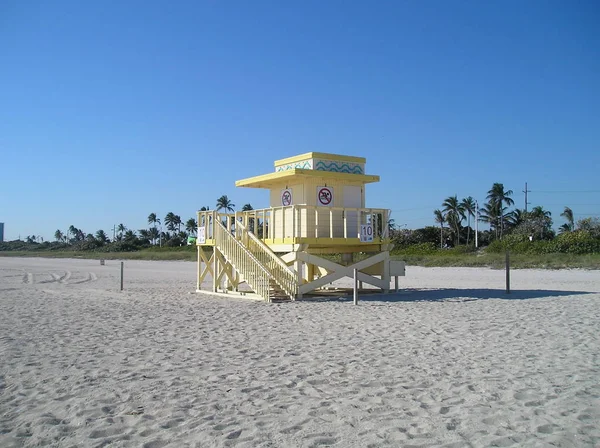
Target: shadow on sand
[{"x": 439, "y": 295}]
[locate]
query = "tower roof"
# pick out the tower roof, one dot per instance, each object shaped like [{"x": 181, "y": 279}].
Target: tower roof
[
  {"x": 297, "y": 174},
  {"x": 319, "y": 165}
]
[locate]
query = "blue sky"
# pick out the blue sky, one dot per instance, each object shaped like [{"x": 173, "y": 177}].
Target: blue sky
[{"x": 111, "y": 110}]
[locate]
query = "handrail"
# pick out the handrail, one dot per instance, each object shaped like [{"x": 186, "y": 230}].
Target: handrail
[
  {"x": 257, "y": 275},
  {"x": 284, "y": 277},
  {"x": 312, "y": 221}
]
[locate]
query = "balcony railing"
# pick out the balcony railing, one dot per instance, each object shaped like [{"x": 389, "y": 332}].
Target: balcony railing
[{"x": 297, "y": 223}]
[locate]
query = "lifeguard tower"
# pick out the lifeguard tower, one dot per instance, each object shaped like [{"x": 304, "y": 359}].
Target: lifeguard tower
[{"x": 317, "y": 207}]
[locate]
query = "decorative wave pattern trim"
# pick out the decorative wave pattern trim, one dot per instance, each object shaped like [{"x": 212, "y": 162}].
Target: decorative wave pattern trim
[
  {"x": 324, "y": 165},
  {"x": 306, "y": 165}
]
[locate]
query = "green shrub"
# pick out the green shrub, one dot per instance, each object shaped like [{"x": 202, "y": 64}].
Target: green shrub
[
  {"x": 579, "y": 242},
  {"x": 418, "y": 249}
]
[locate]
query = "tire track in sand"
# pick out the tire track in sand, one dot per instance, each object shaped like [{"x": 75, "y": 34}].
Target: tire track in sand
[{"x": 91, "y": 277}]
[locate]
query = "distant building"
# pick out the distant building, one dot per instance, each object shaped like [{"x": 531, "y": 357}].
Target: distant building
[{"x": 1, "y": 232}]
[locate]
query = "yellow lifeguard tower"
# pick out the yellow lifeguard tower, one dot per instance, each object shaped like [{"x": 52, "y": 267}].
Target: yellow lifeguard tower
[{"x": 317, "y": 207}]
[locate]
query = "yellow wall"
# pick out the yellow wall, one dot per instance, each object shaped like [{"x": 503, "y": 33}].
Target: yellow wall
[
  {"x": 306, "y": 194},
  {"x": 297, "y": 194}
]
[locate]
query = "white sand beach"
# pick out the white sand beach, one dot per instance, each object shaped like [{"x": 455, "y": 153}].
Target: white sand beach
[{"x": 449, "y": 361}]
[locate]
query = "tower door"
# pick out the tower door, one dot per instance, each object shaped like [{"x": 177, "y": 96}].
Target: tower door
[{"x": 352, "y": 199}]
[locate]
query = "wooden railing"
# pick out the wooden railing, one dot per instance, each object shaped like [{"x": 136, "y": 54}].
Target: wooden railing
[
  {"x": 305, "y": 221},
  {"x": 280, "y": 272},
  {"x": 255, "y": 274},
  {"x": 300, "y": 221}
]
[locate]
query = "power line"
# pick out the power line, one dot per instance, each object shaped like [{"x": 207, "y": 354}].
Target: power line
[
  {"x": 545, "y": 204},
  {"x": 417, "y": 208},
  {"x": 564, "y": 191}
]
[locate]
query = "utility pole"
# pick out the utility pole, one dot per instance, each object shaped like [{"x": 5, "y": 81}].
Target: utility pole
[
  {"x": 114, "y": 231},
  {"x": 476, "y": 224},
  {"x": 526, "y": 191}
]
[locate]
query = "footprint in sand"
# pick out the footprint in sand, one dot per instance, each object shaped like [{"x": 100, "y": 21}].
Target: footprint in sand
[
  {"x": 323, "y": 441},
  {"x": 295, "y": 428},
  {"x": 106, "y": 432},
  {"x": 155, "y": 444},
  {"x": 28, "y": 278},
  {"x": 234, "y": 435}
]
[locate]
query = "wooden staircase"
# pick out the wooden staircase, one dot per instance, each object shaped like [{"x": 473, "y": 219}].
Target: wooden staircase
[
  {"x": 276, "y": 293},
  {"x": 260, "y": 267}
]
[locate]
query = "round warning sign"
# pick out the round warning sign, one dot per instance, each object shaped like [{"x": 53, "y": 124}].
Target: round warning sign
[
  {"x": 324, "y": 195},
  {"x": 286, "y": 197}
]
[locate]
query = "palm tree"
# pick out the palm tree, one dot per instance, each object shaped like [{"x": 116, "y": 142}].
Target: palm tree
[
  {"x": 440, "y": 219},
  {"x": 73, "y": 231},
  {"x": 152, "y": 234},
  {"x": 516, "y": 218},
  {"x": 541, "y": 218},
  {"x": 58, "y": 235},
  {"x": 177, "y": 222},
  {"x": 469, "y": 207},
  {"x": 191, "y": 226},
  {"x": 490, "y": 215},
  {"x": 121, "y": 228},
  {"x": 564, "y": 228},
  {"x": 101, "y": 236},
  {"x": 224, "y": 203},
  {"x": 497, "y": 197},
  {"x": 454, "y": 215},
  {"x": 247, "y": 208},
  {"x": 129, "y": 235},
  {"x": 145, "y": 234},
  {"x": 568, "y": 215},
  {"x": 170, "y": 221},
  {"x": 153, "y": 220}
]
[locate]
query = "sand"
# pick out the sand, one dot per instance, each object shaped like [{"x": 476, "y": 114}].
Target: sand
[{"x": 449, "y": 361}]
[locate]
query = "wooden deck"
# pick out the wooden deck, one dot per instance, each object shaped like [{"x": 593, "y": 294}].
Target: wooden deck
[{"x": 309, "y": 228}]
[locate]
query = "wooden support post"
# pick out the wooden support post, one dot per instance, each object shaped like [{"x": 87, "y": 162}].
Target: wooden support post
[
  {"x": 122, "y": 276},
  {"x": 272, "y": 226},
  {"x": 356, "y": 286},
  {"x": 215, "y": 268},
  {"x": 385, "y": 276},
  {"x": 293, "y": 222},
  {"x": 299, "y": 264},
  {"x": 310, "y": 275},
  {"x": 330, "y": 223},
  {"x": 198, "y": 279},
  {"x": 507, "y": 273}
]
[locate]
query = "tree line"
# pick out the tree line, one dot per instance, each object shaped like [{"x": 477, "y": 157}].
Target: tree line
[
  {"x": 454, "y": 226},
  {"x": 169, "y": 231},
  {"x": 496, "y": 212}
]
